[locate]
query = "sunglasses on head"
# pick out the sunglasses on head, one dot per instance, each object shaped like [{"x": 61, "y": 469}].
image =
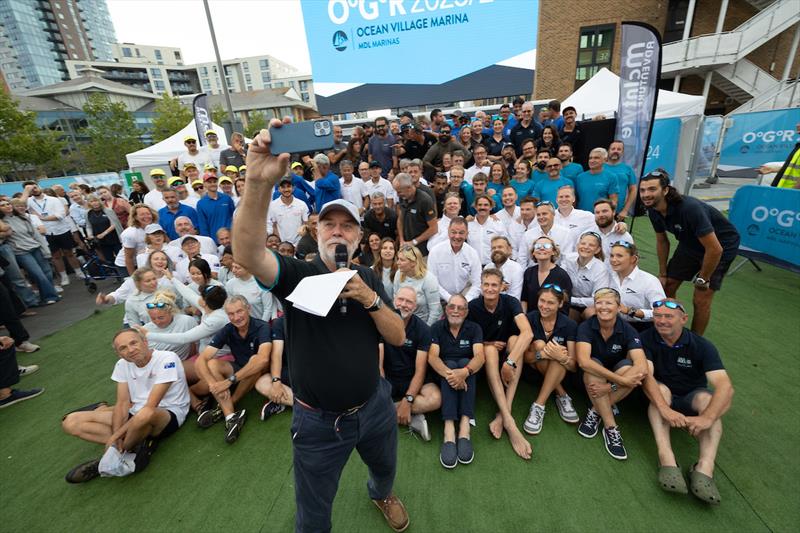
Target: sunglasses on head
[
  {"x": 543, "y": 246},
  {"x": 669, "y": 304},
  {"x": 593, "y": 234},
  {"x": 553, "y": 286},
  {"x": 624, "y": 244},
  {"x": 544, "y": 202},
  {"x": 156, "y": 305},
  {"x": 612, "y": 289}
]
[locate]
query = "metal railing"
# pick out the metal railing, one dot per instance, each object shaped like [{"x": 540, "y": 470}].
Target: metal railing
[{"x": 784, "y": 94}]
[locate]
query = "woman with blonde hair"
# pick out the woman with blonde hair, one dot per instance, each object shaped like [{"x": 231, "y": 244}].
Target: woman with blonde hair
[
  {"x": 588, "y": 271},
  {"x": 146, "y": 283},
  {"x": 166, "y": 317},
  {"x": 412, "y": 272},
  {"x": 133, "y": 238}
]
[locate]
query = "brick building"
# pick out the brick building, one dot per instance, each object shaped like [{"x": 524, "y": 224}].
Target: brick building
[{"x": 577, "y": 39}]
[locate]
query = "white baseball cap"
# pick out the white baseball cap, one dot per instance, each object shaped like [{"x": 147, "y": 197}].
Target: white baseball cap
[{"x": 340, "y": 205}]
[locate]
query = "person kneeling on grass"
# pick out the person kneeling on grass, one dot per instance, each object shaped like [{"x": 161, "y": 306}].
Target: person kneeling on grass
[
  {"x": 249, "y": 341},
  {"x": 552, "y": 354},
  {"x": 610, "y": 354},
  {"x": 276, "y": 385},
  {"x": 456, "y": 353},
  {"x": 406, "y": 367},
  {"x": 683, "y": 365},
  {"x": 152, "y": 403}
]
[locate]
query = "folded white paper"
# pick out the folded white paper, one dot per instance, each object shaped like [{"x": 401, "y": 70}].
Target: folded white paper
[{"x": 317, "y": 294}]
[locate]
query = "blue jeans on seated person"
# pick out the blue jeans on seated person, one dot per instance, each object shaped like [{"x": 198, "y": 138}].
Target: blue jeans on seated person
[
  {"x": 38, "y": 268},
  {"x": 322, "y": 443},
  {"x": 24, "y": 292},
  {"x": 458, "y": 403}
]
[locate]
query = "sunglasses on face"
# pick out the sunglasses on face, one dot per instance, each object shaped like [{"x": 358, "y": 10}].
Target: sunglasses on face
[
  {"x": 543, "y": 246},
  {"x": 553, "y": 286},
  {"x": 156, "y": 305},
  {"x": 200, "y": 188},
  {"x": 454, "y": 307},
  {"x": 191, "y": 142},
  {"x": 668, "y": 304}
]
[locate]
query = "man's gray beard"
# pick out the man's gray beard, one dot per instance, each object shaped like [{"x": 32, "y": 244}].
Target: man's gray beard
[
  {"x": 405, "y": 315},
  {"x": 455, "y": 321},
  {"x": 329, "y": 256}
]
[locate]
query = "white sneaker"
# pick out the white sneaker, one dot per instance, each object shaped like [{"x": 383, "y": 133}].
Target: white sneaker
[
  {"x": 58, "y": 288},
  {"x": 64, "y": 279},
  {"x": 28, "y": 347},
  {"x": 27, "y": 370},
  {"x": 419, "y": 425},
  {"x": 80, "y": 275},
  {"x": 533, "y": 424},
  {"x": 565, "y": 409}
]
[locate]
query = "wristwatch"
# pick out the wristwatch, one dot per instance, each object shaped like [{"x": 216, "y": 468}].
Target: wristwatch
[
  {"x": 233, "y": 379},
  {"x": 700, "y": 283},
  {"x": 414, "y": 242},
  {"x": 614, "y": 387},
  {"x": 274, "y": 380},
  {"x": 377, "y": 305},
  {"x": 539, "y": 356},
  {"x": 511, "y": 363},
  {"x": 409, "y": 398},
  {"x": 632, "y": 312}
]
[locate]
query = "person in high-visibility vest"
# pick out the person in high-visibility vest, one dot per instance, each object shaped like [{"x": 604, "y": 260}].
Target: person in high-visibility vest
[{"x": 788, "y": 174}]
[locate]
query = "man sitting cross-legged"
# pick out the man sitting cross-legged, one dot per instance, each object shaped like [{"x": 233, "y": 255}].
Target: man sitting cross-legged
[
  {"x": 683, "y": 365},
  {"x": 506, "y": 336},
  {"x": 249, "y": 341},
  {"x": 152, "y": 403},
  {"x": 406, "y": 368},
  {"x": 276, "y": 385}
]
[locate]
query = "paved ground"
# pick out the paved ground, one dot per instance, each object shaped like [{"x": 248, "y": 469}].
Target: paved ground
[{"x": 720, "y": 194}]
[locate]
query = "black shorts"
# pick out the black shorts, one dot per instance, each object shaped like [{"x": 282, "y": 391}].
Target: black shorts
[
  {"x": 171, "y": 427},
  {"x": 64, "y": 241},
  {"x": 613, "y": 364},
  {"x": 683, "y": 404},
  {"x": 686, "y": 263}
]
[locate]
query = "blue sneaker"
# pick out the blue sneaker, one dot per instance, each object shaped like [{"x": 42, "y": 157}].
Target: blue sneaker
[
  {"x": 590, "y": 424},
  {"x": 448, "y": 455},
  {"x": 465, "y": 452},
  {"x": 614, "y": 445},
  {"x": 17, "y": 396}
]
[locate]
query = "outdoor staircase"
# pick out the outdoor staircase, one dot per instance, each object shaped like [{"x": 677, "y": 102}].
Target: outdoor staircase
[
  {"x": 724, "y": 53},
  {"x": 783, "y": 95}
]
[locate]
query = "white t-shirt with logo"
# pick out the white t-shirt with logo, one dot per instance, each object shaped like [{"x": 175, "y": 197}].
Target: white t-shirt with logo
[
  {"x": 131, "y": 238},
  {"x": 164, "y": 367}
]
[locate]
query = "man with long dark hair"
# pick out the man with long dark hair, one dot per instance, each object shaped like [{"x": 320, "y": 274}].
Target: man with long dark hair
[{"x": 707, "y": 243}]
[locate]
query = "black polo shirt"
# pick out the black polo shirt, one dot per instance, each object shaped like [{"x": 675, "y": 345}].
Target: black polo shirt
[
  {"x": 575, "y": 138},
  {"x": 417, "y": 150},
  {"x": 493, "y": 146},
  {"x": 681, "y": 367},
  {"x": 616, "y": 348},
  {"x": 459, "y": 347},
  {"x": 690, "y": 219},
  {"x": 565, "y": 329},
  {"x": 416, "y": 215},
  {"x": 519, "y": 133},
  {"x": 400, "y": 362},
  {"x": 333, "y": 360},
  {"x": 385, "y": 228},
  {"x": 242, "y": 349},
  {"x": 278, "y": 333},
  {"x": 499, "y": 325},
  {"x": 530, "y": 285}
]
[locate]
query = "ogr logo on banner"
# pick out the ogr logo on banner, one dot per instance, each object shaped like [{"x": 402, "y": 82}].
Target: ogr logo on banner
[
  {"x": 784, "y": 217},
  {"x": 768, "y": 136}
]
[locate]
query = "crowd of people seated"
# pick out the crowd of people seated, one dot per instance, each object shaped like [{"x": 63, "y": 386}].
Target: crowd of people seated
[{"x": 497, "y": 249}]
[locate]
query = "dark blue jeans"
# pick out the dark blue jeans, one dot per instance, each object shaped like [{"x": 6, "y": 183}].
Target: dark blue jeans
[
  {"x": 15, "y": 276},
  {"x": 322, "y": 443},
  {"x": 458, "y": 403},
  {"x": 38, "y": 269}
]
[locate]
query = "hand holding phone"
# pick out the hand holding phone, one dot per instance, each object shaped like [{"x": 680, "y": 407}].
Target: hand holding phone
[{"x": 308, "y": 136}]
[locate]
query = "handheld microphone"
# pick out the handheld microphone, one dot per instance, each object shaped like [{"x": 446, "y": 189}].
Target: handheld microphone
[{"x": 340, "y": 257}]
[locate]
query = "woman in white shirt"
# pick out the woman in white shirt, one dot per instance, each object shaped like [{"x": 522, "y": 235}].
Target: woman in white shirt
[
  {"x": 588, "y": 271},
  {"x": 159, "y": 261},
  {"x": 146, "y": 283},
  {"x": 167, "y": 317},
  {"x": 133, "y": 238},
  {"x": 263, "y": 305},
  {"x": 412, "y": 272},
  {"x": 210, "y": 301},
  {"x": 638, "y": 289}
]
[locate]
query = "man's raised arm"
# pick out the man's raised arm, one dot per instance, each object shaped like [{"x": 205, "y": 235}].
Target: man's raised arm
[{"x": 249, "y": 230}]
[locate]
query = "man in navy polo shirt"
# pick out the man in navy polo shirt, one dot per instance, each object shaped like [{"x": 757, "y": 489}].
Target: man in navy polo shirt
[
  {"x": 250, "y": 343},
  {"x": 707, "y": 243},
  {"x": 610, "y": 354},
  {"x": 406, "y": 368},
  {"x": 526, "y": 128},
  {"x": 507, "y": 332},
  {"x": 683, "y": 365},
  {"x": 456, "y": 353}
]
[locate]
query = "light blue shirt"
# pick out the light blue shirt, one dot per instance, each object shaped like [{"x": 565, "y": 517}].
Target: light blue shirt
[
  {"x": 590, "y": 187},
  {"x": 625, "y": 178},
  {"x": 547, "y": 190}
]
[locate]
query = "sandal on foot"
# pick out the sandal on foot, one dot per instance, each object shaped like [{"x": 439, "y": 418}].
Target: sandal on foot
[
  {"x": 703, "y": 487},
  {"x": 671, "y": 479}
]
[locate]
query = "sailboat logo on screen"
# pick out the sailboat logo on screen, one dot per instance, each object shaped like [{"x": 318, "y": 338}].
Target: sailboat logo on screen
[{"x": 340, "y": 41}]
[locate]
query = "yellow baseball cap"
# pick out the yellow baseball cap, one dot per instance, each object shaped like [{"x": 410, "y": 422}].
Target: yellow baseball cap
[
  {"x": 225, "y": 179},
  {"x": 242, "y": 168},
  {"x": 209, "y": 166},
  {"x": 196, "y": 183},
  {"x": 189, "y": 164},
  {"x": 297, "y": 164},
  {"x": 231, "y": 168},
  {"x": 175, "y": 181},
  {"x": 157, "y": 172},
  {"x": 210, "y": 132},
  {"x": 190, "y": 138}
]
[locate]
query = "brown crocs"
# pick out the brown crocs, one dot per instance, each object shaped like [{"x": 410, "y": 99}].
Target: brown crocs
[
  {"x": 671, "y": 479},
  {"x": 703, "y": 487}
]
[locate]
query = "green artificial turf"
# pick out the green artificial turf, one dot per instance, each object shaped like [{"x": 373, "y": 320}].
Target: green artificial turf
[{"x": 196, "y": 482}]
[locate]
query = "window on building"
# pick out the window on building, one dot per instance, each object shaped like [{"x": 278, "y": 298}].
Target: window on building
[
  {"x": 595, "y": 47},
  {"x": 277, "y": 84},
  {"x": 126, "y": 52},
  {"x": 177, "y": 55},
  {"x": 158, "y": 54},
  {"x": 138, "y": 53},
  {"x": 303, "y": 85},
  {"x": 159, "y": 85},
  {"x": 263, "y": 63},
  {"x": 305, "y": 97},
  {"x": 246, "y": 67},
  {"x": 156, "y": 73},
  {"x": 248, "y": 78},
  {"x": 204, "y": 71},
  {"x": 265, "y": 77}
]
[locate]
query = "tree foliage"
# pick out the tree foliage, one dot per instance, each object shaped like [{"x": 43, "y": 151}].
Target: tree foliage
[
  {"x": 26, "y": 149},
  {"x": 171, "y": 117},
  {"x": 218, "y": 114},
  {"x": 256, "y": 121},
  {"x": 112, "y": 134}
]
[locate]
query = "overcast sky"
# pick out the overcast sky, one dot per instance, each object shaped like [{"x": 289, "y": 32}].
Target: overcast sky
[{"x": 243, "y": 27}]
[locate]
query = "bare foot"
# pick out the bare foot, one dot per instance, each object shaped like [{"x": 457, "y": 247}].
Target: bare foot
[
  {"x": 520, "y": 444},
  {"x": 496, "y": 426}
]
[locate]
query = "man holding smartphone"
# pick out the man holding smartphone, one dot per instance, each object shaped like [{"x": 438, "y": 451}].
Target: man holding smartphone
[{"x": 341, "y": 401}]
